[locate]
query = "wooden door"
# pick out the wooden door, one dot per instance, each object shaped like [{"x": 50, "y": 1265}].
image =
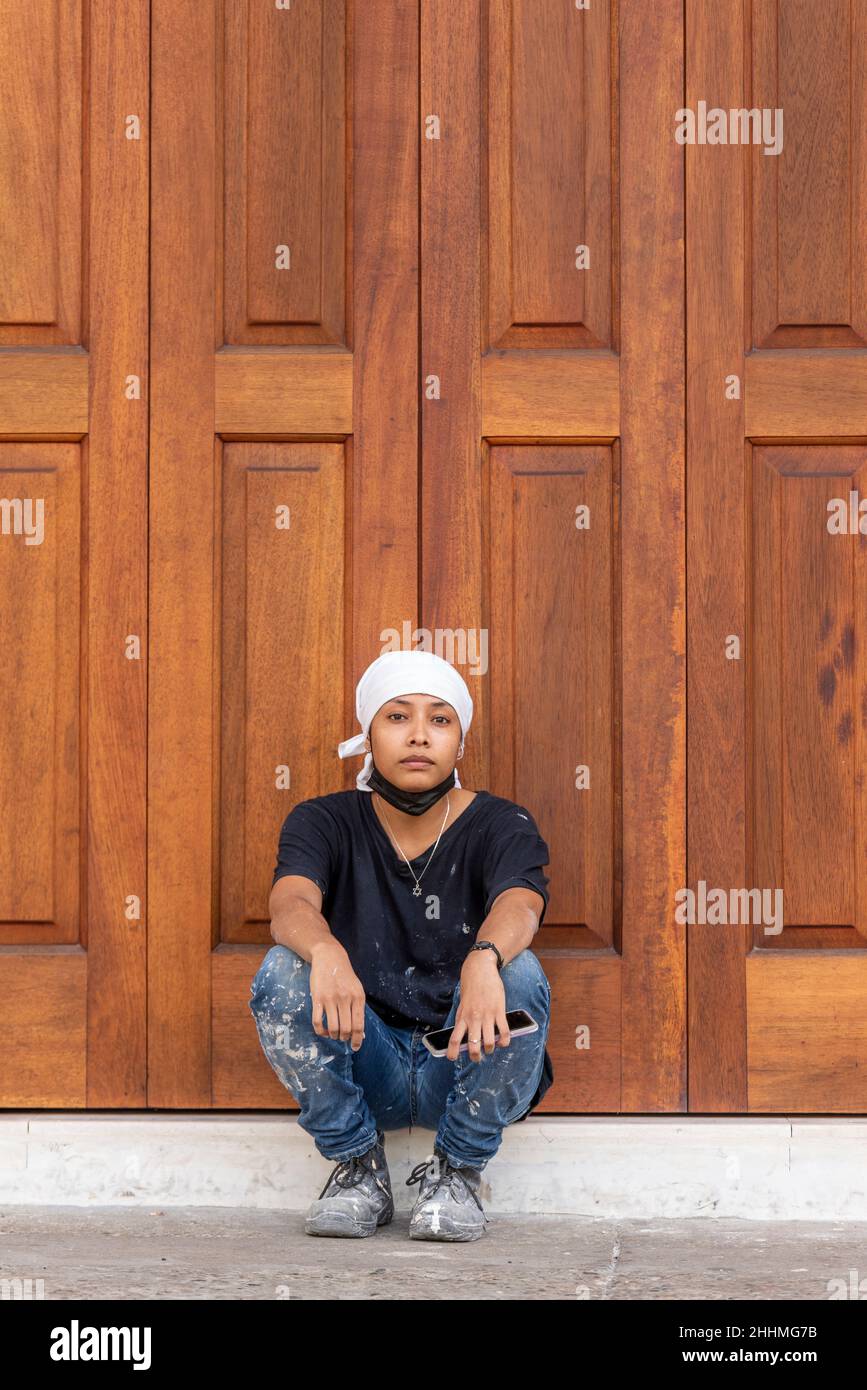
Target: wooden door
[
  {"x": 777, "y": 602},
  {"x": 552, "y": 487},
  {"x": 384, "y": 387},
  {"x": 74, "y": 124},
  {"x": 414, "y": 316},
  {"x": 435, "y": 300},
  {"x": 284, "y": 471}
]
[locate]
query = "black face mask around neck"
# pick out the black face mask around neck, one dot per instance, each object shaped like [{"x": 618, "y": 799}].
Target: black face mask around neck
[{"x": 413, "y": 803}]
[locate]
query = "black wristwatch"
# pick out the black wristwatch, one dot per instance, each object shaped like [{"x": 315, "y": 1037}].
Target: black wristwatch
[{"x": 488, "y": 945}]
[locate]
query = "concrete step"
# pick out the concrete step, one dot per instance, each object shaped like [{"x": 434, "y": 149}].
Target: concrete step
[{"x": 757, "y": 1168}]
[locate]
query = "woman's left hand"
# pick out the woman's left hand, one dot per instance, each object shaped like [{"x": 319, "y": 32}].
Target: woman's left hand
[{"x": 482, "y": 1008}]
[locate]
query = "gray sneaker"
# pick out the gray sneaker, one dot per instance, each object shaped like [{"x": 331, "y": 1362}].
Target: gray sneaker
[
  {"x": 356, "y": 1198},
  {"x": 447, "y": 1206}
]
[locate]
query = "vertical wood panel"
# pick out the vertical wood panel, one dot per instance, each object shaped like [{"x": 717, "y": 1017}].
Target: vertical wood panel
[
  {"x": 809, "y": 278},
  {"x": 226, "y": 593},
  {"x": 804, "y": 697},
  {"x": 182, "y": 531},
  {"x": 776, "y": 796},
  {"x": 73, "y": 269},
  {"x": 282, "y": 114},
  {"x": 549, "y": 173},
  {"x": 42, "y": 170},
  {"x": 117, "y": 472},
  {"x": 40, "y": 711},
  {"x": 452, "y": 592},
  {"x": 552, "y": 587},
  {"x": 282, "y": 601},
  {"x": 716, "y": 517},
  {"x": 504, "y": 564},
  {"x": 382, "y": 537},
  {"x": 652, "y": 503},
  {"x": 352, "y": 573}
]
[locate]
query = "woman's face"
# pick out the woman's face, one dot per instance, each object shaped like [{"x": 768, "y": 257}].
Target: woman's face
[{"x": 415, "y": 726}]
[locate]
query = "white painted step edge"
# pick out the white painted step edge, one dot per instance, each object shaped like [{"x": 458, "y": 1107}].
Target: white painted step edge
[{"x": 760, "y": 1168}]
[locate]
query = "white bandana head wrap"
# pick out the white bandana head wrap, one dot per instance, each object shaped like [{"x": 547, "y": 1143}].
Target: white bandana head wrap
[{"x": 404, "y": 673}]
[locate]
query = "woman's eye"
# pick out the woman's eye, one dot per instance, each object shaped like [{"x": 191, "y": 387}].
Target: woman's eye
[{"x": 398, "y": 714}]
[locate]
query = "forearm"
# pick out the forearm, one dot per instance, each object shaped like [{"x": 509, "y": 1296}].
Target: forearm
[
  {"x": 511, "y": 926},
  {"x": 298, "y": 925}
]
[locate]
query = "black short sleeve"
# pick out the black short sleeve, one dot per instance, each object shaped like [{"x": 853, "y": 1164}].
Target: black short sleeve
[
  {"x": 307, "y": 845},
  {"x": 514, "y": 855}
]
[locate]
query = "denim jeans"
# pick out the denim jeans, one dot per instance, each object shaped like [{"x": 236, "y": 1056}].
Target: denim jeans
[{"x": 392, "y": 1081}]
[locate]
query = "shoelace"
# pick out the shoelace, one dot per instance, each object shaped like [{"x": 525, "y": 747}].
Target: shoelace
[
  {"x": 445, "y": 1174},
  {"x": 350, "y": 1172}
]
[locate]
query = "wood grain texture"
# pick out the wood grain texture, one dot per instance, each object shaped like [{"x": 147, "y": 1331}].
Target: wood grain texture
[
  {"x": 44, "y": 392},
  {"x": 550, "y": 392},
  {"x": 74, "y": 254},
  {"x": 117, "y": 560},
  {"x": 284, "y": 106},
  {"x": 585, "y": 1034},
  {"x": 282, "y": 600},
  {"x": 807, "y": 1033},
  {"x": 270, "y": 392},
  {"x": 551, "y": 586},
  {"x": 652, "y": 379},
  {"x": 807, "y": 605},
  {"x": 716, "y": 547},
  {"x": 805, "y": 392},
  {"x": 43, "y": 1004},
  {"x": 307, "y": 387},
  {"x": 776, "y": 737},
  {"x": 242, "y": 1078},
  {"x": 549, "y": 179},
  {"x": 523, "y": 431},
  {"x": 382, "y": 535},
  {"x": 41, "y": 717},
  {"x": 808, "y": 277},
  {"x": 259, "y": 634},
  {"x": 43, "y": 168},
  {"x": 452, "y": 556},
  {"x": 181, "y": 809}
]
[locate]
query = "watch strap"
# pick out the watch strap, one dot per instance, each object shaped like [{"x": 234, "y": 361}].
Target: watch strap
[{"x": 489, "y": 945}]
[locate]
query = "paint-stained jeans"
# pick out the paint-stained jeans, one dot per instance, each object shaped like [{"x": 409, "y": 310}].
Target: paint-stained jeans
[{"x": 392, "y": 1081}]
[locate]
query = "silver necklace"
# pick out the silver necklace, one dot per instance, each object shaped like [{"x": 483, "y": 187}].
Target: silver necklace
[{"x": 416, "y": 892}]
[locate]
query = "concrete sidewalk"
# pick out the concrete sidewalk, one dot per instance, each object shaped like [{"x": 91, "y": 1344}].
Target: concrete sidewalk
[{"x": 101, "y": 1252}]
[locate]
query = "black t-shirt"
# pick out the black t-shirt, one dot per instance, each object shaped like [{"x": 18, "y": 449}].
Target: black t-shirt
[{"x": 408, "y": 951}]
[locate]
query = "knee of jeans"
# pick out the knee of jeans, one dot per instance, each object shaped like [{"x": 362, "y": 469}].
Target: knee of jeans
[
  {"x": 282, "y": 974},
  {"x": 525, "y": 982}
]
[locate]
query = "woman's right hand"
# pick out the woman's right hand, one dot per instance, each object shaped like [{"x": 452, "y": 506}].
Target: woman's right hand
[{"x": 337, "y": 992}]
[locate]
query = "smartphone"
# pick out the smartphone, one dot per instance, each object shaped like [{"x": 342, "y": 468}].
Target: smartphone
[{"x": 519, "y": 1022}]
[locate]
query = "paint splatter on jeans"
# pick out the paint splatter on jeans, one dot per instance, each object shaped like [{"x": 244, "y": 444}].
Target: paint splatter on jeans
[{"x": 392, "y": 1081}]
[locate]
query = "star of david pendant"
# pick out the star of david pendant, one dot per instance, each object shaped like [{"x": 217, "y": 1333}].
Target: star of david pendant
[{"x": 416, "y": 892}]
